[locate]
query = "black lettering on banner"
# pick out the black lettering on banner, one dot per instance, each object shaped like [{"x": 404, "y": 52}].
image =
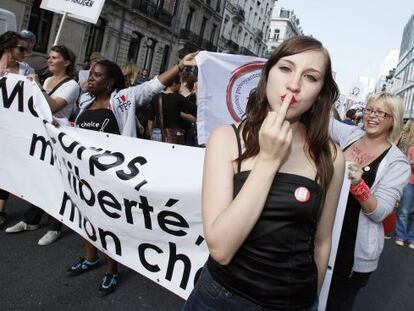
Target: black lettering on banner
[
  {"x": 107, "y": 199},
  {"x": 141, "y": 253},
  {"x": 92, "y": 235},
  {"x": 118, "y": 159},
  {"x": 66, "y": 198},
  {"x": 102, "y": 236},
  {"x": 44, "y": 145},
  {"x": 146, "y": 211},
  {"x": 32, "y": 110},
  {"x": 128, "y": 210},
  {"x": 132, "y": 167},
  {"x": 174, "y": 219},
  {"x": 172, "y": 260},
  {"x": 17, "y": 90},
  {"x": 69, "y": 149}
]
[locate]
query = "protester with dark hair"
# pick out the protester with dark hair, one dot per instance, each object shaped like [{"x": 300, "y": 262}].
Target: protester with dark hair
[
  {"x": 13, "y": 50},
  {"x": 173, "y": 107},
  {"x": 350, "y": 117},
  {"x": 61, "y": 93},
  {"x": 110, "y": 108},
  {"x": 378, "y": 171},
  {"x": 187, "y": 80},
  {"x": 270, "y": 190}
]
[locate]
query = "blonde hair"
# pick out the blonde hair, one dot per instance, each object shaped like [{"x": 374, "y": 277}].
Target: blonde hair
[
  {"x": 395, "y": 104},
  {"x": 130, "y": 73}
]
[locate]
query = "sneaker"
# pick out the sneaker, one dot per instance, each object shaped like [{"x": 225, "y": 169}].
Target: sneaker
[
  {"x": 50, "y": 237},
  {"x": 399, "y": 242},
  {"x": 387, "y": 236},
  {"x": 411, "y": 245},
  {"x": 21, "y": 226},
  {"x": 3, "y": 220},
  {"x": 82, "y": 266},
  {"x": 108, "y": 284}
]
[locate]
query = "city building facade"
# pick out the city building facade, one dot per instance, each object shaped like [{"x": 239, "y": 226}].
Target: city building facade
[
  {"x": 245, "y": 27},
  {"x": 403, "y": 76},
  {"x": 283, "y": 25},
  {"x": 153, "y": 34}
]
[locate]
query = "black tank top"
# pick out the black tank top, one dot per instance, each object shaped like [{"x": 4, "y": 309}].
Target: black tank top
[
  {"x": 101, "y": 120},
  {"x": 274, "y": 267},
  {"x": 344, "y": 261}
]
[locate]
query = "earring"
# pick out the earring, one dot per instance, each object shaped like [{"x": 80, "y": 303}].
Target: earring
[{"x": 108, "y": 88}]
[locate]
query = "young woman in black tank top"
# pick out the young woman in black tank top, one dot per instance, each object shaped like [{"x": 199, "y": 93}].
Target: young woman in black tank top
[{"x": 270, "y": 190}]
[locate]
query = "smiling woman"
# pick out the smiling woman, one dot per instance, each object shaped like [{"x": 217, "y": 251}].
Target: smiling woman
[{"x": 378, "y": 171}]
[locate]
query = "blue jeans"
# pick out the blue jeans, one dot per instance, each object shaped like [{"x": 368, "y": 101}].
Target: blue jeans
[
  {"x": 156, "y": 134},
  {"x": 405, "y": 224},
  {"x": 208, "y": 295}
]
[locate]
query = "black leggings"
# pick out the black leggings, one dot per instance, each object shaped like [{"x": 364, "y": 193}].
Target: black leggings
[
  {"x": 4, "y": 195},
  {"x": 34, "y": 215}
]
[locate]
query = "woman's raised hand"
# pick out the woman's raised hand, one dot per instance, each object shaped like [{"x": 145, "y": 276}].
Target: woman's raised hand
[
  {"x": 275, "y": 135},
  {"x": 354, "y": 173}
]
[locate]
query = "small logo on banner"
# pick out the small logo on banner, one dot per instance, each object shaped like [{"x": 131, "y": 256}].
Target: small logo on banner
[
  {"x": 302, "y": 194},
  {"x": 243, "y": 80}
]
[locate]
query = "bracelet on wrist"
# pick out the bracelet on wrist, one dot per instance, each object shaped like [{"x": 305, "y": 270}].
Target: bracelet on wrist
[{"x": 361, "y": 191}]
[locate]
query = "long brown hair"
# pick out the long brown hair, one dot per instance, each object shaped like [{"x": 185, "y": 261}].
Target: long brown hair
[{"x": 316, "y": 119}]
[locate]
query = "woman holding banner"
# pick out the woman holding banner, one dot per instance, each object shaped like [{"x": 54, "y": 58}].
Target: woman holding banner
[
  {"x": 378, "y": 171},
  {"x": 61, "y": 93},
  {"x": 13, "y": 49},
  {"x": 110, "y": 108},
  {"x": 270, "y": 190}
]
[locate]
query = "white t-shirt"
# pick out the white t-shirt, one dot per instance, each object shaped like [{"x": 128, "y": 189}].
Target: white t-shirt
[
  {"x": 25, "y": 69},
  {"x": 69, "y": 91}
]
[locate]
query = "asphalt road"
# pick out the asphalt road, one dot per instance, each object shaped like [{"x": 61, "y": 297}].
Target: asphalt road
[{"x": 34, "y": 278}]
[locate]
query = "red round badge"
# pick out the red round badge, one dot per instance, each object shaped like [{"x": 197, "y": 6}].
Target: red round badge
[{"x": 302, "y": 194}]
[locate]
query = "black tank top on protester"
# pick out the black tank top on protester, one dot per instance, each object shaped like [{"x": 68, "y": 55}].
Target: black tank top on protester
[
  {"x": 101, "y": 120},
  {"x": 274, "y": 267},
  {"x": 346, "y": 248}
]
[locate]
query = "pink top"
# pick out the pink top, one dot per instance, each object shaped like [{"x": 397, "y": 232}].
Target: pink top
[{"x": 411, "y": 159}]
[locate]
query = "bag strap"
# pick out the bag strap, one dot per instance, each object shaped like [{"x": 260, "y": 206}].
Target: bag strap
[
  {"x": 59, "y": 85},
  {"x": 161, "y": 116}
]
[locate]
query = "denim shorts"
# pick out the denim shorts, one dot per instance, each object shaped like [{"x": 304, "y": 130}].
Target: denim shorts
[{"x": 208, "y": 295}]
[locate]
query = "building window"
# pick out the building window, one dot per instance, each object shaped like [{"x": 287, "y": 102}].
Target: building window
[
  {"x": 40, "y": 23},
  {"x": 95, "y": 37},
  {"x": 149, "y": 53},
  {"x": 133, "y": 50},
  {"x": 189, "y": 19},
  {"x": 276, "y": 34},
  {"x": 203, "y": 27},
  {"x": 218, "y": 6},
  {"x": 213, "y": 33},
  {"x": 165, "y": 58}
]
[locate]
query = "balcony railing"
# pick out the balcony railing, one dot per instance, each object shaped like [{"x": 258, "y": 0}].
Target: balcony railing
[
  {"x": 187, "y": 34},
  {"x": 246, "y": 51},
  {"x": 150, "y": 9}
]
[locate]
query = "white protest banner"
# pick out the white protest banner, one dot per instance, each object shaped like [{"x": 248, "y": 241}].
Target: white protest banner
[
  {"x": 137, "y": 201},
  {"x": 87, "y": 10},
  {"x": 225, "y": 82}
]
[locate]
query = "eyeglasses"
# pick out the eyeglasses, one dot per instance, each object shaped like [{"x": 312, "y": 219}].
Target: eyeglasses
[
  {"x": 22, "y": 49},
  {"x": 378, "y": 113}
]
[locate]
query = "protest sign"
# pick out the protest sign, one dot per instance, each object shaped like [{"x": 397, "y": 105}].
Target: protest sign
[
  {"x": 225, "y": 82},
  {"x": 87, "y": 10},
  {"x": 138, "y": 201}
]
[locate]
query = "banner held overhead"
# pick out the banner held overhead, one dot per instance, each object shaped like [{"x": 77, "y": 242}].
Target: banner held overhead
[{"x": 86, "y": 10}]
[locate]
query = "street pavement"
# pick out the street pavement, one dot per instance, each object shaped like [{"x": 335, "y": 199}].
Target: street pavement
[{"x": 34, "y": 277}]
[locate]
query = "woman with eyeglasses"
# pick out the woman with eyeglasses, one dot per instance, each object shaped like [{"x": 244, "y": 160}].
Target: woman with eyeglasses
[
  {"x": 378, "y": 172},
  {"x": 61, "y": 92},
  {"x": 13, "y": 49},
  {"x": 12, "y": 53}
]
